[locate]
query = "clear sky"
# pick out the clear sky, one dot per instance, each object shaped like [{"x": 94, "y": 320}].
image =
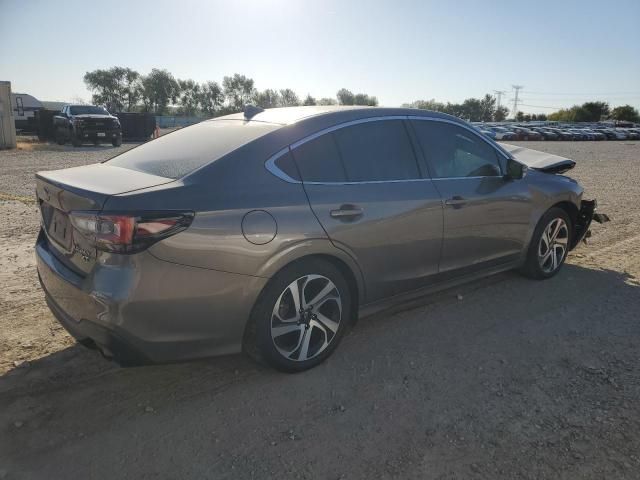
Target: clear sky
[{"x": 563, "y": 52}]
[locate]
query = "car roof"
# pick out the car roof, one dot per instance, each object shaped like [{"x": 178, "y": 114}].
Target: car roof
[{"x": 337, "y": 114}]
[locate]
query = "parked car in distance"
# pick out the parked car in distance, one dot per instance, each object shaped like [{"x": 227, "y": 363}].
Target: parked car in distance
[
  {"x": 607, "y": 132},
  {"x": 562, "y": 134},
  {"x": 86, "y": 123},
  {"x": 502, "y": 133},
  {"x": 526, "y": 134},
  {"x": 581, "y": 134},
  {"x": 485, "y": 131},
  {"x": 546, "y": 134},
  {"x": 632, "y": 134},
  {"x": 271, "y": 232},
  {"x": 596, "y": 135}
]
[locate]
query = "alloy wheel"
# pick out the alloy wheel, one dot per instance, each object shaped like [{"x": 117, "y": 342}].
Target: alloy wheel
[
  {"x": 306, "y": 317},
  {"x": 553, "y": 245}
]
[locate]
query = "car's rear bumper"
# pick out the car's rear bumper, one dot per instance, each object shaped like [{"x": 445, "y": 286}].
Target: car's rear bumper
[{"x": 139, "y": 309}]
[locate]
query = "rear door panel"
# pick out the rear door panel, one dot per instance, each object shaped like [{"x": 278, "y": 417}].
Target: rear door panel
[{"x": 397, "y": 239}]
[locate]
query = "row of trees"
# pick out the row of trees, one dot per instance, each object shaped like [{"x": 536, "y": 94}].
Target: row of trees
[
  {"x": 485, "y": 110},
  {"x": 594, "y": 112},
  {"x": 125, "y": 90},
  {"x": 473, "y": 109}
]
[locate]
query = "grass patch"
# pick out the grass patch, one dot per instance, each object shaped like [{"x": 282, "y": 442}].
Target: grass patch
[{"x": 7, "y": 197}]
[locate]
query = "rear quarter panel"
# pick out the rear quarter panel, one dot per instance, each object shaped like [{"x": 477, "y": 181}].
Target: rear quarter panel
[{"x": 222, "y": 194}]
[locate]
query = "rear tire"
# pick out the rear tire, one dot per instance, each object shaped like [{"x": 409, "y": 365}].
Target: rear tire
[
  {"x": 549, "y": 245},
  {"x": 293, "y": 335}
]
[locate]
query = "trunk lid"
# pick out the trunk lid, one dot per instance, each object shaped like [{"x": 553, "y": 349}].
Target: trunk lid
[
  {"x": 545, "y": 162},
  {"x": 85, "y": 188}
]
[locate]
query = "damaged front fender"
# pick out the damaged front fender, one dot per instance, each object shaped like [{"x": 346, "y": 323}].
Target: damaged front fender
[{"x": 586, "y": 215}]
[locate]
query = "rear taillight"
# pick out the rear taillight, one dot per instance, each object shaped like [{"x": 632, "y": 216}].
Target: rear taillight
[{"x": 129, "y": 233}]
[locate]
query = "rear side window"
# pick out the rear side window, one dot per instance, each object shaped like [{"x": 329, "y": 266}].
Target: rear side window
[
  {"x": 288, "y": 165},
  {"x": 453, "y": 151},
  {"x": 377, "y": 151},
  {"x": 179, "y": 153},
  {"x": 319, "y": 160}
]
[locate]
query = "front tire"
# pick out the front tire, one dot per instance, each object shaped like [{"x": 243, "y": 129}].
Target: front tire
[
  {"x": 75, "y": 141},
  {"x": 549, "y": 245},
  {"x": 116, "y": 142},
  {"x": 300, "y": 317}
]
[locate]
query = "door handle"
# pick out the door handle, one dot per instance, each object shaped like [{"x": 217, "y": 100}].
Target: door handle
[
  {"x": 346, "y": 212},
  {"x": 455, "y": 200}
]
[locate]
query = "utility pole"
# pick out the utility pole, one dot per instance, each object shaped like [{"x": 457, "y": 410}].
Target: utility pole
[
  {"x": 499, "y": 94},
  {"x": 517, "y": 88}
]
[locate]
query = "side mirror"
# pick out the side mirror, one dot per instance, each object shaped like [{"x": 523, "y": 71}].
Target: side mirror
[{"x": 515, "y": 170}]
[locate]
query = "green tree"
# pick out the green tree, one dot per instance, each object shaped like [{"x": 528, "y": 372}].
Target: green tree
[
  {"x": 211, "y": 98},
  {"x": 472, "y": 109},
  {"x": 426, "y": 105},
  {"x": 327, "y": 101},
  {"x": 487, "y": 108},
  {"x": 563, "y": 115},
  {"x": 364, "y": 99},
  {"x": 117, "y": 88},
  {"x": 238, "y": 90},
  {"x": 594, "y": 111},
  {"x": 345, "y": 97},
  {"x": 288, "y": 98},
  {"x": 309, "y": 100},
  {"x": 267, "y": 98},
  {"x": 625, "y": 113},
  {"x": 159, "y": 89},
  {"x": 189, "y": 96},
  {"x": 500, "y": 114}
]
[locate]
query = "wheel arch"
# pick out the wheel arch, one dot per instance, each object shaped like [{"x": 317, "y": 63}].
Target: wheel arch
[
  {"x": 344, "y": 266},
  {"x": 570, "y": 208}
]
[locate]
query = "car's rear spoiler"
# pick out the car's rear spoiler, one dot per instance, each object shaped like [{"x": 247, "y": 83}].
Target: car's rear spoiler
[{"x": 545, "y": 162}]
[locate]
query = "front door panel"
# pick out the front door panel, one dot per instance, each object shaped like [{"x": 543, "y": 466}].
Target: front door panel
[{"x": 485, "y": 219}]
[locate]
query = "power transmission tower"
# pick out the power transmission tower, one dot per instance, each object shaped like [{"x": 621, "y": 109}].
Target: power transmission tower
[
  {"x": 517, "y": 88},
  {"x": 499, "y": 94}
]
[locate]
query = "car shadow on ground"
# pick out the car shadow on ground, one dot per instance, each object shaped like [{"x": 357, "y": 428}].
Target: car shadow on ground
[
  {"x": 506, "y": 293},
  {"x": 501, "y": 375}
]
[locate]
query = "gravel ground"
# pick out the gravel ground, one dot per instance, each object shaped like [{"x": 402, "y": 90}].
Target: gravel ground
[{"x": 515, "y": 380}]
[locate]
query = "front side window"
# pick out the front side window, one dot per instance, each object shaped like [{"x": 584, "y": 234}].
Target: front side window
[
  {"x": 453, "y": 151},
  {"x": 377, "y": 151}
]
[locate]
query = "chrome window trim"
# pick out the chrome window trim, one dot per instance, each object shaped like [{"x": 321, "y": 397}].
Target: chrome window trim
[
  {"x": 273, "y": 168},
  {"x": 340, "y": 126}
]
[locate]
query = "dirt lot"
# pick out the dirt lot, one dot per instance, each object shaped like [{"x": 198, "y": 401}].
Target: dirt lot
[{"x": 517, "y": 380}]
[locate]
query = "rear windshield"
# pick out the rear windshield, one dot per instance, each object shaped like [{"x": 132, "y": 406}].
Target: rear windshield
[
  {"x": 179, "y": 153},
  {"x": 87, "y": 110}
]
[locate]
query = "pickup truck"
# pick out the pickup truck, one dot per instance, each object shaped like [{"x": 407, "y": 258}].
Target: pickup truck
[{"x": 86, "y": 123}]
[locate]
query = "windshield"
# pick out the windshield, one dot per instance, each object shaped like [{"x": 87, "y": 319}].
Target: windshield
[
  {"x": 176, "y": 154},
  {"x": 87, "y": 110}
]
